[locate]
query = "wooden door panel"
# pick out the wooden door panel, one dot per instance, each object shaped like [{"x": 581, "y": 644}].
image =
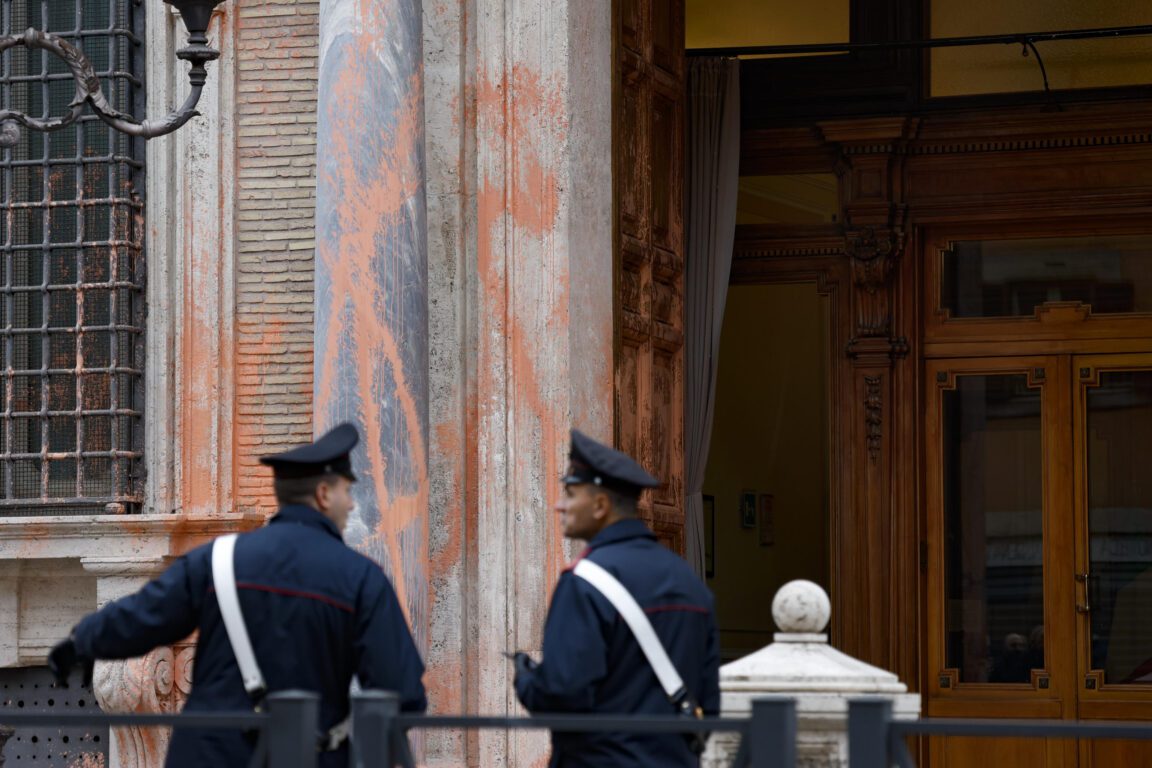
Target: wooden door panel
[
  {"x": 649, "y": 178},
  {"x": 632, "y": 154},
  {"x": 1105, "y": 753},
  {"x": 1113, "y": 500},
  {"x": 987, "y": 654},
  {"x": 666, "y": 197},
  {"x": 955, "y": 752},
  {"x": 668, "y": 36}
]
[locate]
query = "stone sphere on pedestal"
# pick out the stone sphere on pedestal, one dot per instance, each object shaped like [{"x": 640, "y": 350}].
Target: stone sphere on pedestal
[
  {"x": 801, "y": 607},
  {"x": 801, "y": 665}
]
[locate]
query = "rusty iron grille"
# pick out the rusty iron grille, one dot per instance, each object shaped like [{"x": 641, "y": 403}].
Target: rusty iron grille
[{"x": 71, "y": 273}]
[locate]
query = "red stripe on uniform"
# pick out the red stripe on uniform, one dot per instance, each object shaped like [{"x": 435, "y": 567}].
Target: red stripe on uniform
[
  {"x": 664, "y": 608},
  {"x": 297, "y": 593}
]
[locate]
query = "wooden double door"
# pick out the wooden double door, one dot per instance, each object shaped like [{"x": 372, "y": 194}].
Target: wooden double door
[{"x": 1039, "y": 549}]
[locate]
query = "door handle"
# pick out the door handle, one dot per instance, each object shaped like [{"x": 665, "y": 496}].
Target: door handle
[{"x": 1086, "y": 606}]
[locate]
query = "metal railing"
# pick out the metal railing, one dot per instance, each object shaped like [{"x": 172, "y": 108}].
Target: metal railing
[
  {"x": 288, "y": 736},
  {"x": 876, "y": 740}
]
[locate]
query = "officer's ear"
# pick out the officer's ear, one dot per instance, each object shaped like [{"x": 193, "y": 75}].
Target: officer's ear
[
  {"x": 601, "y": 503},
  {"x": 325, "y": 487}
]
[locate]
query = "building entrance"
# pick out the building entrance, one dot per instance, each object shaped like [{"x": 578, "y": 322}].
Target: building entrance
[
  {"x": 1041, "y": 538},
  {"x": 1039, "y": 506}
]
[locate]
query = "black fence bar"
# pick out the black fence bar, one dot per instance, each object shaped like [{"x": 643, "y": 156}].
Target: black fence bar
[
  {"x": 876, "y": 740},
  {"x": 1051, "y": 729},
  {"x": 771, "y": 736},
  {"x": 578, "y": 723},
  {"x": 243, "y": 720},
  {"x": 293, "y": 729},
  {"x": 868, "y": 723},
  {"x": 374, "y": 716},
  {"x": 768, "y": 737},
  {"x": 1019, "y": 38}
]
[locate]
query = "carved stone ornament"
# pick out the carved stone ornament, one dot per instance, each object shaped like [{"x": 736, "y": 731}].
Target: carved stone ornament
[
  {"x": 873, "y": 415},
  {"x": 5, "y": 734},
  {"x": 875, "y": 253},
  {"x": 158, "y": 682}
]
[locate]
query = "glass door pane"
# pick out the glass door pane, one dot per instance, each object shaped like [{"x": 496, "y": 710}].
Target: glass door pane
[
  {"x": 1118, "y": 448},
  {"x": 993, "y": 478}
]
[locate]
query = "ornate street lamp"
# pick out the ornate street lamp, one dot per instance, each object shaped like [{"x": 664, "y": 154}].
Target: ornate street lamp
[{"x": 196, "y": 15}]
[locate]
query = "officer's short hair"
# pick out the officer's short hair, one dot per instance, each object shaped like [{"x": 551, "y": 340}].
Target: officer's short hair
[
  {"x": 624, "y": 503},
  {"x": 300, "y": 490}
]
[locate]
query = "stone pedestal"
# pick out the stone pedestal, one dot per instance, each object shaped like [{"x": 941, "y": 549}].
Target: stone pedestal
[{"x": 802, "y": 665}]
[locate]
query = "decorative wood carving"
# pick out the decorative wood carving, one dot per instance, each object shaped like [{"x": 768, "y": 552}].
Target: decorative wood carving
[
  {"x": 875, "y": 254},
  {"x": 873, "y": 415}
]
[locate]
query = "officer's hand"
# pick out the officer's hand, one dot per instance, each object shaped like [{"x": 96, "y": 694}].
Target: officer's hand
[
  {"x": 524, "y": 663},
  {"x": 63, "y": 657}
]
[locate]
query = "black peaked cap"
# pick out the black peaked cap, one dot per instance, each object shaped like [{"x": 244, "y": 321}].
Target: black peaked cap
[
  {"x": 596, "y": 463},
  {"x": 327, "y": 456}
]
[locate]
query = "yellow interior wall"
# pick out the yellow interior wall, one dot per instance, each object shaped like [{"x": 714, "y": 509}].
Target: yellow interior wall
[
  {"x": 808, "y": 198},
  {"x": 770, "y": 435},
  {"x": 720, "y": 23},
  {"x": 1070, "y": 64},
  {"x": 955, "y": 71}
]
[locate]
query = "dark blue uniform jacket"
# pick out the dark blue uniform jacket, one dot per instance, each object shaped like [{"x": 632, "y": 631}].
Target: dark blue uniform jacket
[
  {"x": 592, "y": 662},
  {"x": 317, "y": 612}
]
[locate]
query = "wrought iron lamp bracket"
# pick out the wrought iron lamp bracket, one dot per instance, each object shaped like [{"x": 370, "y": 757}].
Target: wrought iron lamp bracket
[{"x": 196, "y": 14}]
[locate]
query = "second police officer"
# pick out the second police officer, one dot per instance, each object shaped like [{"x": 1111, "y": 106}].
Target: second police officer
[{"x": 592, "y": 662}]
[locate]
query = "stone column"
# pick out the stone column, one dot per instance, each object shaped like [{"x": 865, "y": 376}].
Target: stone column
[{"x": 371, "y": 333}]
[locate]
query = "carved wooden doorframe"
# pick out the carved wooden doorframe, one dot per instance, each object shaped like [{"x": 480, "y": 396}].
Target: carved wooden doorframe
[{"x": 648, "y": 151}]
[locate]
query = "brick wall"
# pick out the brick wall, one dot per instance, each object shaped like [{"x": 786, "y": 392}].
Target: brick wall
[{"x": 275, "y": 205}]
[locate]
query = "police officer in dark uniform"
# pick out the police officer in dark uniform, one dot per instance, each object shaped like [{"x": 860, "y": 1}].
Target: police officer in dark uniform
[
  {"x": 317, "y": 613},
  {"x": 592, "y": 663}
]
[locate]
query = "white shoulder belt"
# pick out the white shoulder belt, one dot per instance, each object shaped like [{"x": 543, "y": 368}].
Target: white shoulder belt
[
  {"x": 633, "y": 614},
  {"x": 224, "y": 580}
]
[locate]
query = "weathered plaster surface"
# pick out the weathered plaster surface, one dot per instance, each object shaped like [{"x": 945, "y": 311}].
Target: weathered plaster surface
[
  {"x": 451, "y": 328},
  {"x": 517, "y": 131},
  {"x": 371, "y": 291},
  {"x": 189, "y": 216}
]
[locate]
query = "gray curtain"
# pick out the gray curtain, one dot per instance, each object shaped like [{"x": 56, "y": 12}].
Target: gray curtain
[{"x": 713, "y": 157}]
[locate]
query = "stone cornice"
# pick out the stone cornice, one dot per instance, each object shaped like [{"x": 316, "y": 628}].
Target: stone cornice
[{"x": 143, "y": 537}]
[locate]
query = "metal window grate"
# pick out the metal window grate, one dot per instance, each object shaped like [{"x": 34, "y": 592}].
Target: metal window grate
[
  {"x": 31, "y": 689},
  {"x": 71, "y": 273}
]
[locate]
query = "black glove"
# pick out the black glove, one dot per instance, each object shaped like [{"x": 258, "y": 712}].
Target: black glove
[
  {"x": 524, "y": 664},
  {"x": 63, "y": 657}
]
